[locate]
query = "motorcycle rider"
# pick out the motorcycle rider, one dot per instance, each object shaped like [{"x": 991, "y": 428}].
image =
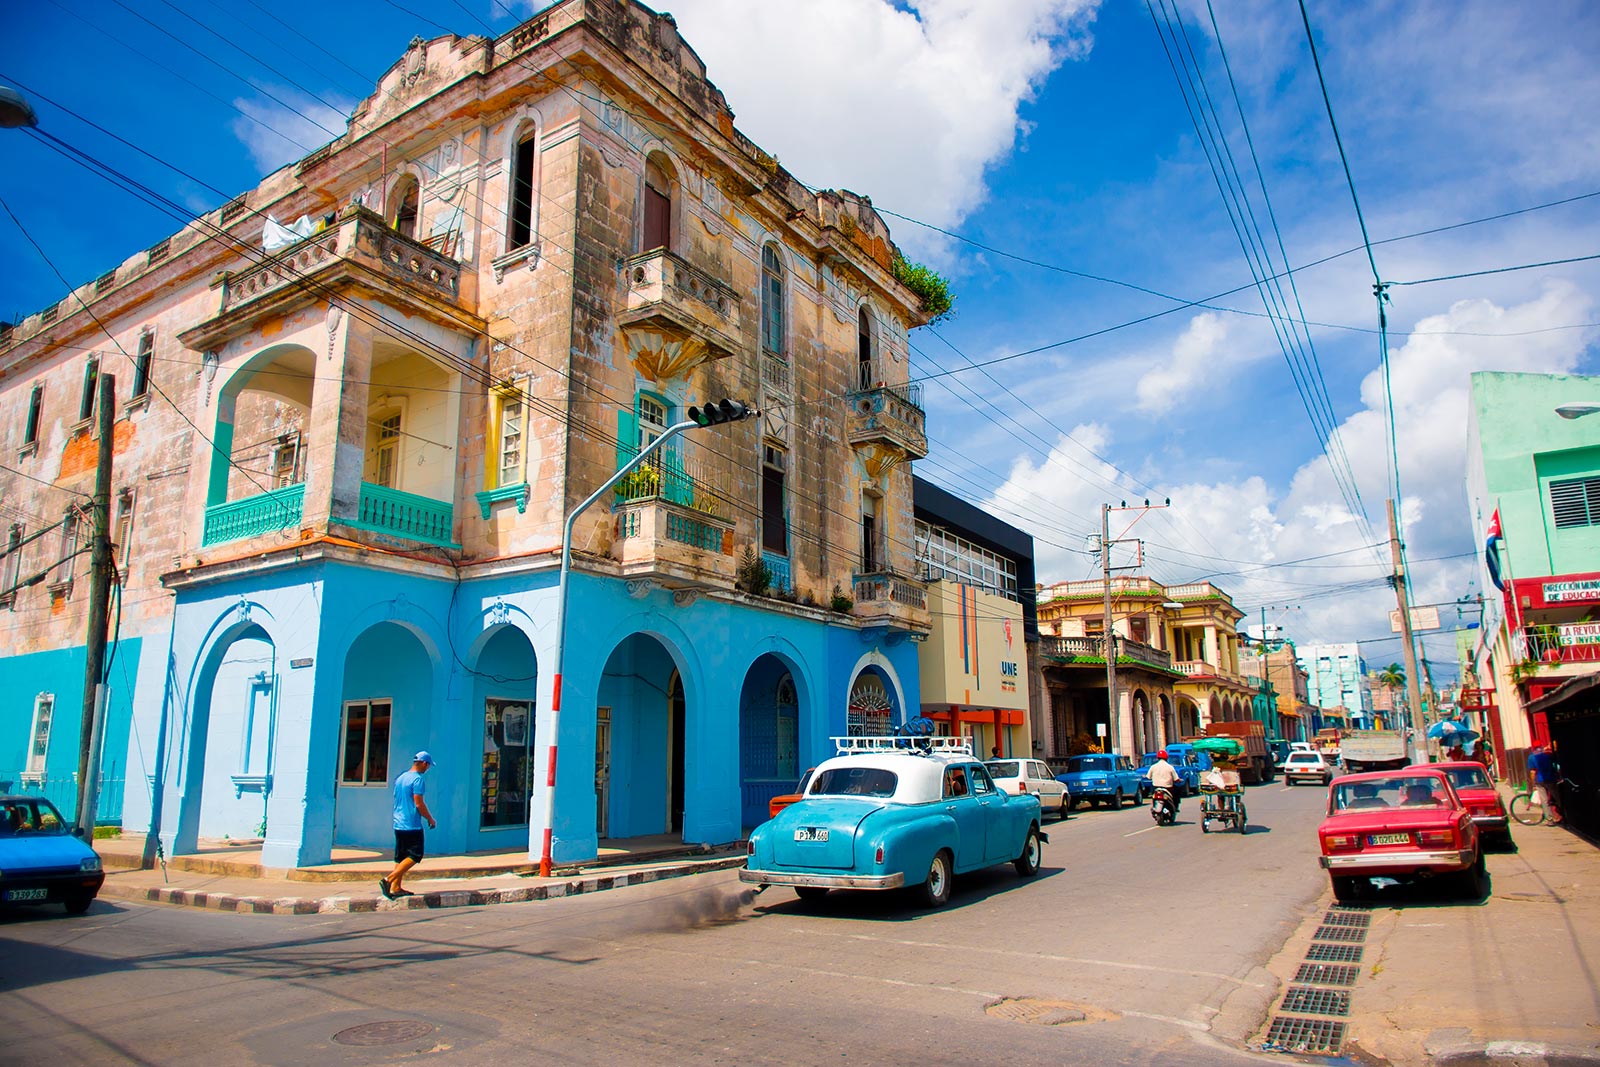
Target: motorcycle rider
[{"x": 1164, "y": 776}]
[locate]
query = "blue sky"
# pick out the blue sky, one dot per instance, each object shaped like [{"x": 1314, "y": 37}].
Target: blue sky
[{"x": 1052, "y": 130}]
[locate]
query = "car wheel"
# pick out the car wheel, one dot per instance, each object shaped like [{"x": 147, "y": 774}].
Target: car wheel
[
  {"x": 78, "y": 905},
  {"x": 936, "y": 887},
  {"x": 1473, "y": 881},
  {"x": 1287, "y": 781},
  {"x": 810, "y": 892},
  {"x": 1347, "y": 888},
  {"x": 1027, "y": 863},
  {"x": 1116, "y": 801},
  {"x": 1138, "y": 797},
  {"x": 1507, "y": 842}
]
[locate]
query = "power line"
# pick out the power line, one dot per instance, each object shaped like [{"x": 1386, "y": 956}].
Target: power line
[{"x": 1498, "y": 270}]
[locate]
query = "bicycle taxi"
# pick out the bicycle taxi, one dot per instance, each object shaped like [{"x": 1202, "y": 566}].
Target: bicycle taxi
[{"x": 1221, "y": 791}]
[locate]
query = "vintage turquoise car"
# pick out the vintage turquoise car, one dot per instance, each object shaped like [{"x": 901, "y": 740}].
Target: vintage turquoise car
[{"x": 887, "y": 813}]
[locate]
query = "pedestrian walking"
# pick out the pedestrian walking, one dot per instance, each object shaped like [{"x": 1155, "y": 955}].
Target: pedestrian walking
[
  {"x": 410, "y": 809},
  {"x": 1547, "y": 776}
]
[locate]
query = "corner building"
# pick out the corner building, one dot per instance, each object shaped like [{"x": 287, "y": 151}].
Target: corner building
[{"x": 349, "y": 471}]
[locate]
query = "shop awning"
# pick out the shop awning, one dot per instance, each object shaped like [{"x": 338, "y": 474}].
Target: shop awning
[{"x": 980, "y": 716}]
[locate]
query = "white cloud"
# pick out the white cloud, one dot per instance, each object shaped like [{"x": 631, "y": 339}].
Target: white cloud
[
  {"x": 278, "y": 133},
  {"x": 909, "y": 107},
  {"x": 1195, "y": 356}
]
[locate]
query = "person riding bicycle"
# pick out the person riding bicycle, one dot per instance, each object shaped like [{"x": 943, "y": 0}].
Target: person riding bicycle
[
  {"x": 1546, "y": 775},
  {"x": 1164, "y": 776}
]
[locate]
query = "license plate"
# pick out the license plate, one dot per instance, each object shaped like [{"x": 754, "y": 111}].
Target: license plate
[
  {"x": 1389, "y": 839},
  {"x": 27, "y": 894},
  {"x": 811, "y": 833}
]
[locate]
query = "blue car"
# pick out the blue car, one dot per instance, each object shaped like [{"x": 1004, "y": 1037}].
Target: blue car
[
  {"x": 1185, "y": 760},
  {"x": 1102, "y": 779},
  {"x": 887, "y": 813},
  {"x": 41, "y": 861}
]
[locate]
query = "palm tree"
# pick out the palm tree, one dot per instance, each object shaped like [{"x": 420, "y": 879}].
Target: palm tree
[{"x": 1392, "y": 677}]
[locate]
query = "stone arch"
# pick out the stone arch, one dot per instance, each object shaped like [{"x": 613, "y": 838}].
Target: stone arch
[
  {"x": 272, "y": 392},
  {"x": 661, "y": 199},
  {"x": 501, "y": 724},
  {"x": 403, "y": 203},
  {"x": 523, "y": 168},
  {"x": 771, "y": 732}
]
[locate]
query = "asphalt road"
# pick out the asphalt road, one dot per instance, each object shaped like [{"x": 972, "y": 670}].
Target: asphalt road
[{"x": 1134, "y": 945}]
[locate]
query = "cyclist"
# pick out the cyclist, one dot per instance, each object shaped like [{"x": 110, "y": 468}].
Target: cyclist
[{"x": 1546, "y": 776}]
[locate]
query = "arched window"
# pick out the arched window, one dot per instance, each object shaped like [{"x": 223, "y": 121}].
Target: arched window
[
  {"x": 771, "y": 300},
  {"x": 864, "y": 348},
  {"x": 870, "y": 710},
  {"x": 519, "y": 226},
  {"x": 405, "y": 198},
  {"x": 657, "y": 204}
]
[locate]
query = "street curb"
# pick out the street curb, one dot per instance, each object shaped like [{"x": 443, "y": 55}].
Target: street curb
[
  {"x": 1510, "y": 1053},
  {"x": 445, "y": 898}
]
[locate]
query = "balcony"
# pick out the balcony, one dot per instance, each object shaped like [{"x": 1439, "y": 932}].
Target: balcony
[
  {"x": 660, "y": 542},
  {"x": 360, "y": 247},
  {"x": 1196, "y": 591},
  {"x": 697, "y": 316},
  {"x": 888, "y": 416},
  {"x": 380, "y": 509},
  {"x": 278, "y": 510},
  {"x": 1096, "y": 589},
  {"x": 1094, "y": 648},
  {"x": 884, "y": 598},
  {"x": 1554, "y": 645}
]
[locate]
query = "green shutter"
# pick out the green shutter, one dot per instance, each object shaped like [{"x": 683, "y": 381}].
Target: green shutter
[{"x": 627, "y": 435}]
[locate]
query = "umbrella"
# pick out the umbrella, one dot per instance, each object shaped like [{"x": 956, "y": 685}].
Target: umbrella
[{"x": 1451, "y": 730}]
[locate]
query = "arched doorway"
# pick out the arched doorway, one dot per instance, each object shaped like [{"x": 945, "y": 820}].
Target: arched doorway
[
  {"x": 503, "y": 716},
  {"x": 385, "y": 716},
  {"x": 769, "y": 736},
  {"x": 640, "y": 734},
  {"x": 1169, "y": 720},
  {"x": 871, "y": 711},
  {"x": 1144, "y": 727}
]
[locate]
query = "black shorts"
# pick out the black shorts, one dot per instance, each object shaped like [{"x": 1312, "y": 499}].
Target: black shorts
[{"x": 408, "y": 845}]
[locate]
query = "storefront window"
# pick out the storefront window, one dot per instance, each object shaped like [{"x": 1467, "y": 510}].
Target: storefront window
[{"x": 507, "y": 741}]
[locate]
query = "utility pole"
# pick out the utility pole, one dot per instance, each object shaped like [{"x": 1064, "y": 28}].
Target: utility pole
[
  {"x": 94, "y": 690},
  {"x": 1418, "y": 727},
  {"x": 1113, "y": 712}
]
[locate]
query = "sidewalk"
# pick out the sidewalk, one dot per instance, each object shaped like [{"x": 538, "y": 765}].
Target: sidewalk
[{"x": 223, "y": 878}]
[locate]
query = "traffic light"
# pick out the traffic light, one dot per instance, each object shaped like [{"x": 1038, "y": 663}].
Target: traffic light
[{"x": 720, "y": 411}]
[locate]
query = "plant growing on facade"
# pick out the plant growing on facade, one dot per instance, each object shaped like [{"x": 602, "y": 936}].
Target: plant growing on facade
[
  {"x": 640, "y": 483},
  {"x": 840, "y": 602},
  {"x": 753, "y": 576},
  {"x": 931, "y": 287}
]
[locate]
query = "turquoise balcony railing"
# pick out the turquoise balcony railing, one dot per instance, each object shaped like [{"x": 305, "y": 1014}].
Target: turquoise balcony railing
[
  {"x": 778, "y": 567},
  {"x": 390, "y": 511},
  {"x": 234, "y": 520}
]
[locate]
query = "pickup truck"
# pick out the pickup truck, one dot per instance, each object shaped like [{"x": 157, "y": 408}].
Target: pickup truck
[{"x": 1373, "y": 750}]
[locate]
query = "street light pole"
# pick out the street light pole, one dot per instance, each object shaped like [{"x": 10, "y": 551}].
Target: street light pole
[
  {"x": 1418, "y": 727},
  {"x": 1114, "y": 712},
  {"x": 729, "y": 411}
]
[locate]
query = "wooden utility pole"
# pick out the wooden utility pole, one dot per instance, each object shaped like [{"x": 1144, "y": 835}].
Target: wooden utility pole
[
  {"x": 99, "y": 614},
  {"x": 1403, "y": 600}
]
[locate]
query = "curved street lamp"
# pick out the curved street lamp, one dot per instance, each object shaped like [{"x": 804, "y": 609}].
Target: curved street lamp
[
  {"x": 1577, "y": 411},
  {"x": 15, "y": 110}
]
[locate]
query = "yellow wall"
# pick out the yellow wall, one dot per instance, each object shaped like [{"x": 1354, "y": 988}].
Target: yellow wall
[{"x": 973, "y": 665}]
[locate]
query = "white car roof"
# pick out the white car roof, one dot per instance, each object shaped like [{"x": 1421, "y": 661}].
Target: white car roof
[{"x": 919, "y": 778}]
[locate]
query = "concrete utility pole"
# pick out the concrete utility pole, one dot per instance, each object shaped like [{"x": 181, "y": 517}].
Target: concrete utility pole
[
  {"x": 94, "y": 691},
  {"x": 1110, "y": 638},
  {"x": 1418, "y": 727}
]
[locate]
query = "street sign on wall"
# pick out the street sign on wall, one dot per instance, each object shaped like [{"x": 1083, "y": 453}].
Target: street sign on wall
[{"x": 1421, "y": 619}]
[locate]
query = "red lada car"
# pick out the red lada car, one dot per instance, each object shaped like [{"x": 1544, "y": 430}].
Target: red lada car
[
  {"x": 1478, "y": 793},
  {"x": 1405, "y": 825}
]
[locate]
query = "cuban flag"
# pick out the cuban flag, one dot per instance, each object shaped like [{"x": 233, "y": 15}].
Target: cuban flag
[{"x": 1491, "y": 551}]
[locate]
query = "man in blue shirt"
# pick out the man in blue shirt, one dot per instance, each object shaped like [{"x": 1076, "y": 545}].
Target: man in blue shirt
[
  {"x": 1547, "y": 776},
  {"x": 409, "y": 811}
]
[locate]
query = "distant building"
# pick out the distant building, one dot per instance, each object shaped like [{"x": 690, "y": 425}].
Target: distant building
[
  {"x": 1297, "y": 718},
  {"x": 1333, "y": 679},
  {"x": 979, "y": 664}
]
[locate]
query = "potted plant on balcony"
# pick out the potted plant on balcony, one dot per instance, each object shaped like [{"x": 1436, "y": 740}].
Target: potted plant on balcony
[{"x": 753, "y": 576}]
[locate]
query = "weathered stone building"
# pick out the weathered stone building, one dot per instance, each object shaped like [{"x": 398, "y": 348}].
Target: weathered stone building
[{"x": 343, "y": 468}]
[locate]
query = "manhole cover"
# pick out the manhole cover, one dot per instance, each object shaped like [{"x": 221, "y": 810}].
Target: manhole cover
[
  {"x": 392, "y": 1032},
  {"x": 1045, "y": 1012}
]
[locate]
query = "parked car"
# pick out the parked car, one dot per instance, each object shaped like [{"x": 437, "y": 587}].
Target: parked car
[
  {"x": 41, "y": 861},
  {"x": 1102, "y": 778},
  {"x": 783, "y": 800},
  {"x": 1307, "y": 765},
  {"x": 1482, "y": 799},
  {"x": 1030, "y": 776},
  {"x": 1405, "y": 824},
  {"x": 890, "y": 812}
]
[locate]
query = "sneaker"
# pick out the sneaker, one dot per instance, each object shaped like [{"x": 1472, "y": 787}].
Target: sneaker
[{"x": 383, "y": 887}]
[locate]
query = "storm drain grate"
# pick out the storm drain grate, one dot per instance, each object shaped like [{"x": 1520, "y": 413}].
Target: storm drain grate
[
  {"x": 1308, "y": 1001},
  {"x": 1339, "y": 933},
  {"x": 1327, "y": 974},
  {"x": 1335, "y": 953},
  {"x": 1306, "y": 1035},
  {"x": 1360, "y": 919}
]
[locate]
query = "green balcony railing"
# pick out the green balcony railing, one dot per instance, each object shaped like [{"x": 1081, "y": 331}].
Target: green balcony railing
[
  {"x": 390, "y": 511},
  {"x": 234, "y": 520}
]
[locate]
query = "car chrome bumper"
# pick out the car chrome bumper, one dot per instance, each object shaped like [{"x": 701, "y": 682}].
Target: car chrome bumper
[
  {"x": 824, "y": 881},
  {"x": 1493, "y": 822},
  {"x": 1455, "y": 859}
]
